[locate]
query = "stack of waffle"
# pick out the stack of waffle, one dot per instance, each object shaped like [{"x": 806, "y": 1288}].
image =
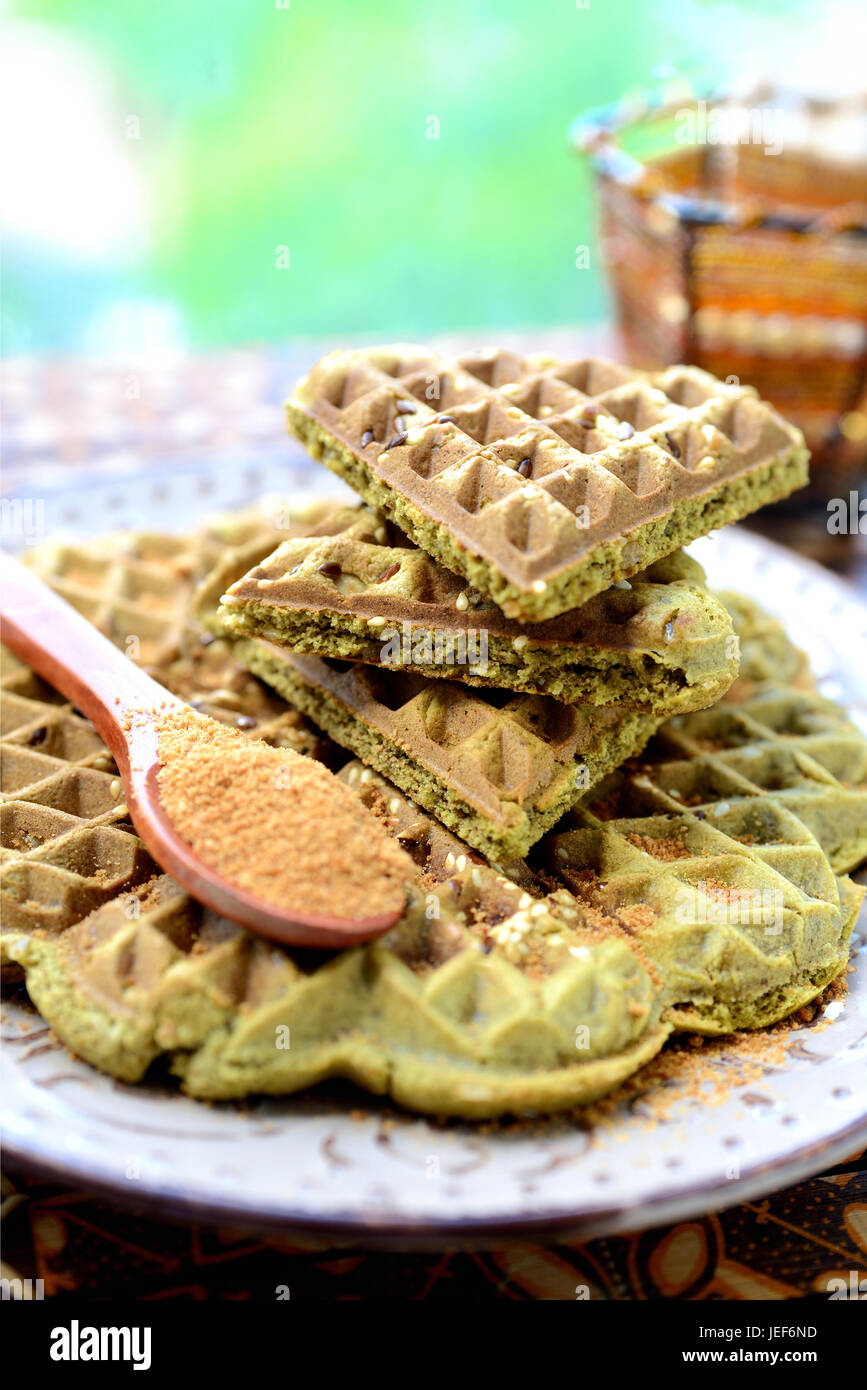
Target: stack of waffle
[
  {"x": 532, "y": 620},
  {"x": 698, "y": 885}
]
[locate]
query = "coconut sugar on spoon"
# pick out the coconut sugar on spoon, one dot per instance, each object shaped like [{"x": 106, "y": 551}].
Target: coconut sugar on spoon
[{"x": 274, "y": 823}]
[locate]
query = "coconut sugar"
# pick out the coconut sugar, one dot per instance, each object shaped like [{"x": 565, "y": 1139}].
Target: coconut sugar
[{"x": 275, "y": 823}]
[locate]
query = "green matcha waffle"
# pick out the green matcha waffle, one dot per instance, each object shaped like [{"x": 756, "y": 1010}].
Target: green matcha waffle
[
  {"x": 734, "y": 901},
  {"x": 496, "y": 767},
  {"x": 68, "y": 845},
  {"x": 356, "y": 589},
  {"x": 435, "y": 1014},
  {"x": 543, "y": 483},
  {"x": 486, "y": 999}
]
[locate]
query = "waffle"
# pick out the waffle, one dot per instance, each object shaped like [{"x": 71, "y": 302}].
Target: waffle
[
  {"x": 67, "y": 842},
  {"x": 543, "y": 483},
  {"x": 136, "y": 587},
  {"x": 362, "y": 592},
  {"x": 734, "y": 902},
  {"x": 497, "y": 768}
]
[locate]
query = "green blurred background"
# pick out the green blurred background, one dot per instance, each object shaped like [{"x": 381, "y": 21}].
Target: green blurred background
[{"x": 412, "y": 157}]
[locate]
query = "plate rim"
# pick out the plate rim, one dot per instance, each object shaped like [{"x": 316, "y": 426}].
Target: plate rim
[{"x": 381, "y": 1229}]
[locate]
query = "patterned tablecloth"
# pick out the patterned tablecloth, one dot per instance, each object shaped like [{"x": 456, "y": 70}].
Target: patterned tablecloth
[
  {"x": 65, "y": 417},
  {"x": 786, "y": 1246}
]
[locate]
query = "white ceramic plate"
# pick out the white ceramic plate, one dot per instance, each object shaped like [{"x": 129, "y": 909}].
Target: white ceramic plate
[{"x": 347, "y": 1167}]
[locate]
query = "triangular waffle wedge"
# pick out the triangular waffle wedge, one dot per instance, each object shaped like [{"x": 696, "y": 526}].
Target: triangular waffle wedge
[
  {"x": 543, "y": 482},
  {"x": 356, "y": 589},
  {"x": 734, "y": 901},
  {"x": 497, "y": 768}
]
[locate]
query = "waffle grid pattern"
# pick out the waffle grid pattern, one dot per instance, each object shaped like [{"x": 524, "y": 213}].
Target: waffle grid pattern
[
  {"x": 67, "y": 845},
  {"x": 510, "y": 453},
  {"x": 470, "y": 1006},
  {"x": 793, "y": 744},
  {"x": 67, "y": 842},
  {"x": 337, "y": 591},
  {"x": 734, "y": 901},
  {"x": 496, "y": 766}
]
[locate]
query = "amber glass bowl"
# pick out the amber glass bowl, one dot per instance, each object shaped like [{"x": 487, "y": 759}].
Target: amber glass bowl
[{"x": 734, "y": 230}]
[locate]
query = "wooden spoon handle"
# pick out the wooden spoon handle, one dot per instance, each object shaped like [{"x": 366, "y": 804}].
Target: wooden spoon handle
[{"x": 50, "y": 636}]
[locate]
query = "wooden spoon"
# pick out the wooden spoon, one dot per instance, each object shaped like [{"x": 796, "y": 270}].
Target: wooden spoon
[{"x": 119, "y": 700}]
